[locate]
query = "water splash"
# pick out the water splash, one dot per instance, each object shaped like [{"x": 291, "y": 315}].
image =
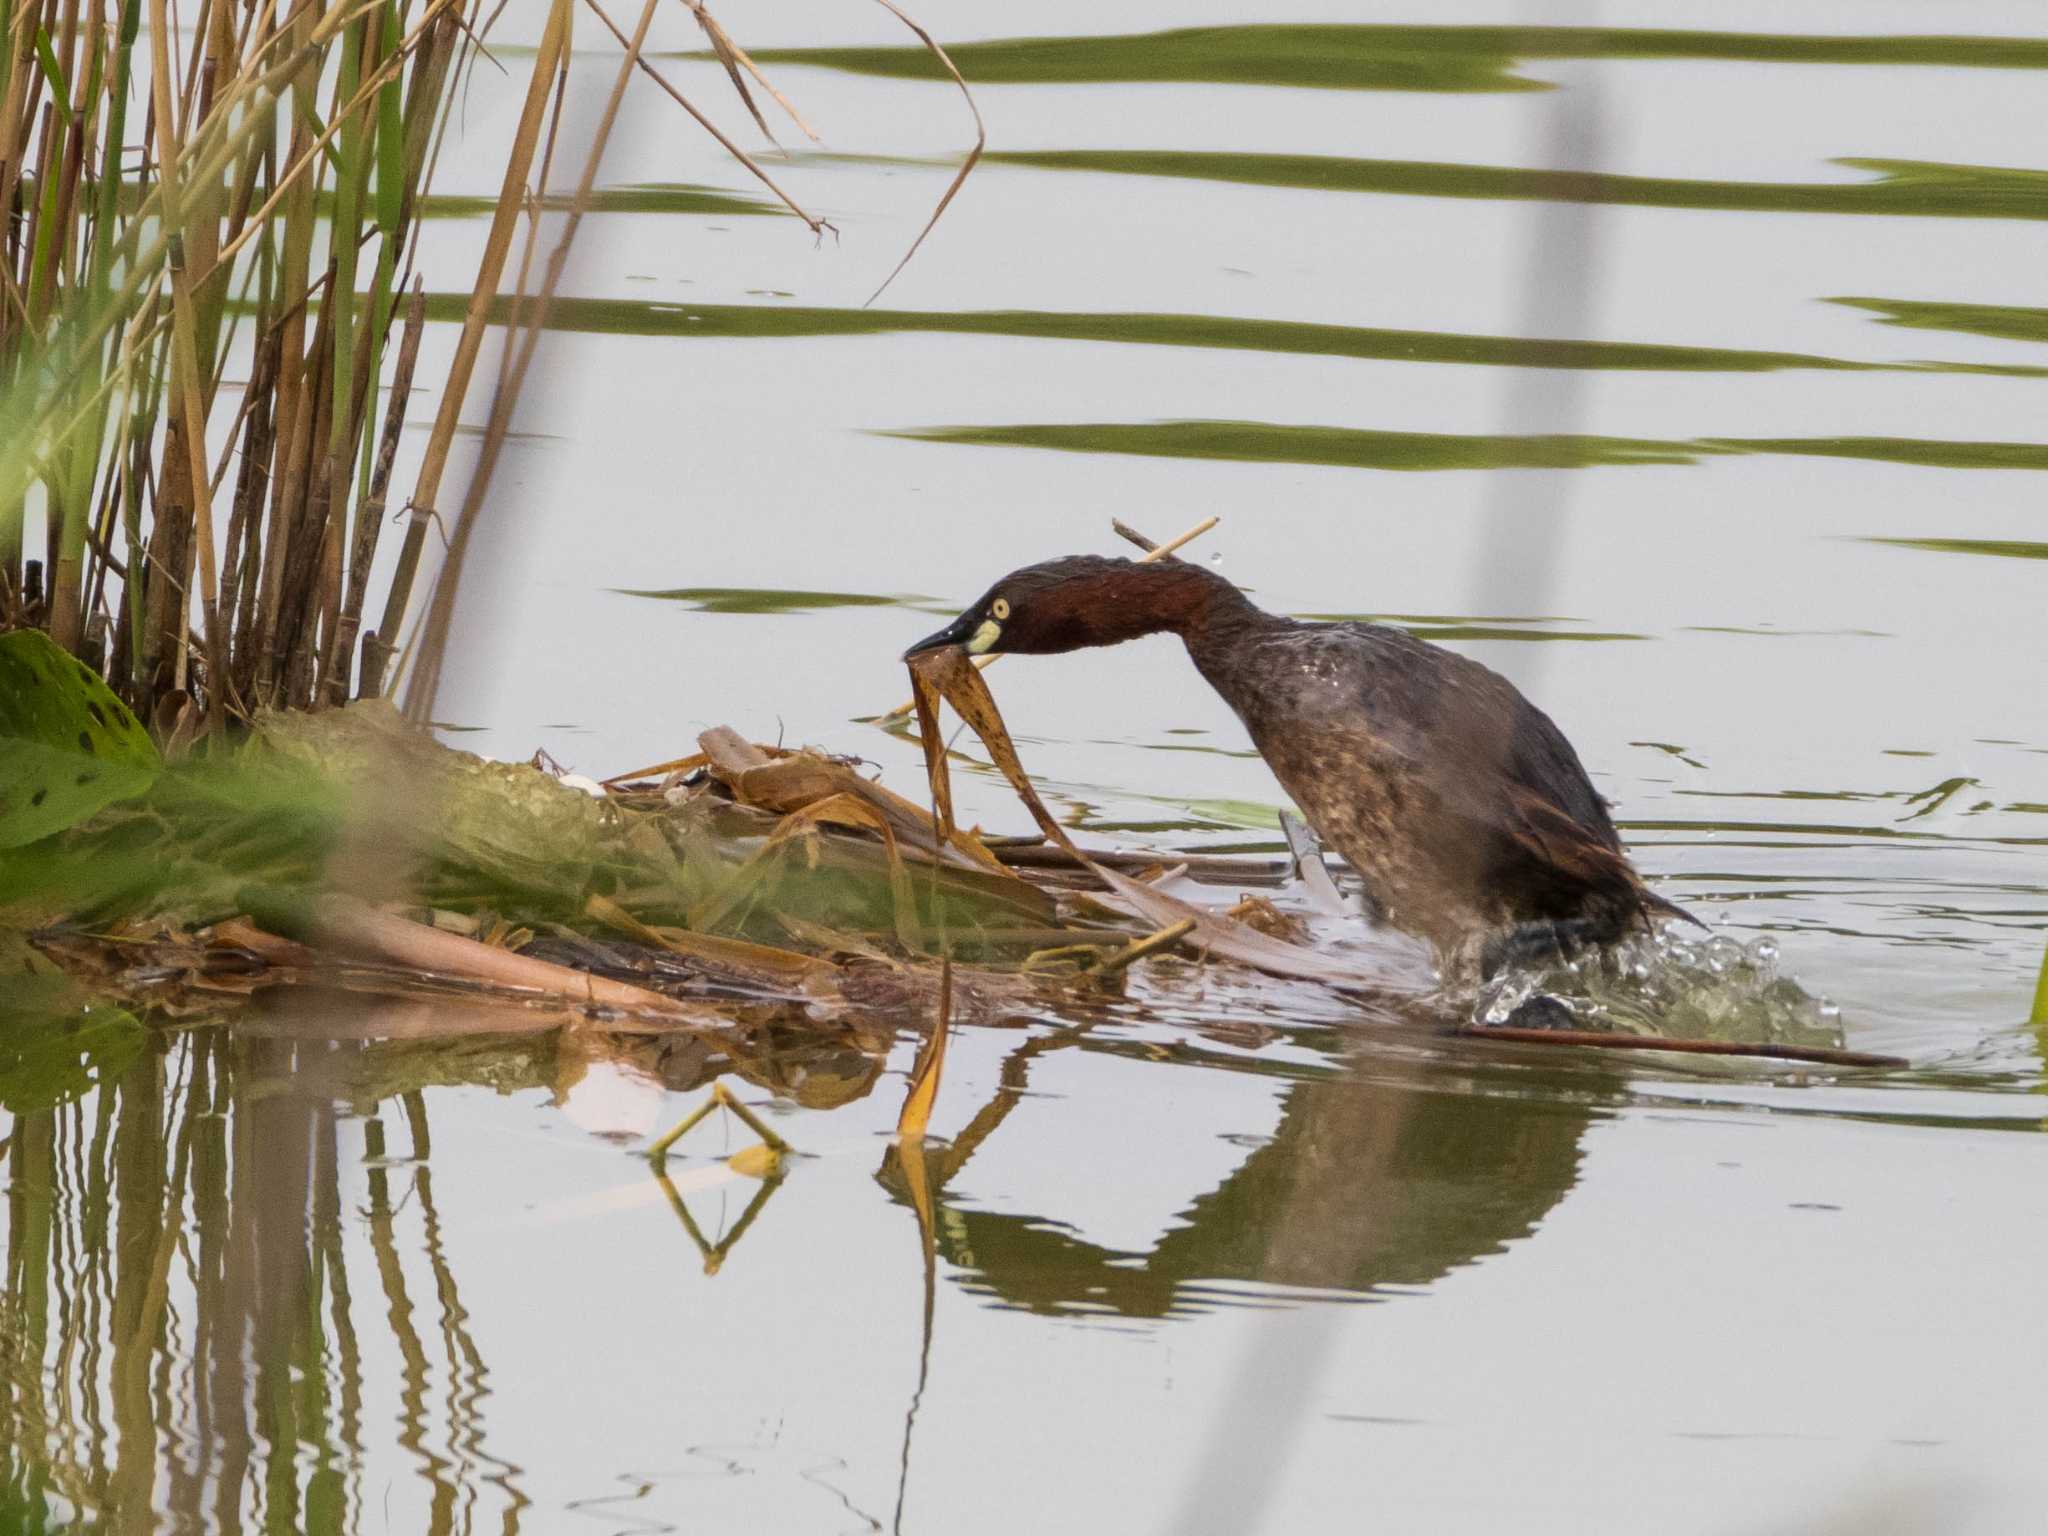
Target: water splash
[{"x": 1674, "y": 985}]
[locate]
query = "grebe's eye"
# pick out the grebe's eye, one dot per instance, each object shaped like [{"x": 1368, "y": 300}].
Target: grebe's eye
[{"x": 1000, "y": 609}]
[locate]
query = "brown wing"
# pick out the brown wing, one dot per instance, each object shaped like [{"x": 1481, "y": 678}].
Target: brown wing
[{"x": 1493, "y": 791}]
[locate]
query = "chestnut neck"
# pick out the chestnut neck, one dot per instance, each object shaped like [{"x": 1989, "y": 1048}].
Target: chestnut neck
[{"x": 1163, "y": 596}]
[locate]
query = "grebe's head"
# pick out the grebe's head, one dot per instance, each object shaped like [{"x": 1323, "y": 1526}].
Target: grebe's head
[{"x": 1056, "y": 605}]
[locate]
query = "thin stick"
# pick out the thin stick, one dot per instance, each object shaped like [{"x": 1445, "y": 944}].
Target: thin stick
[
  {"x": 967, "y": 165},
  {"x": 658, "y": 1153},
  {"x": 688, "y": 764},
  {"x": 1152, "y": 552},
  {"x": 720, "y": 1096},
  {"x": 1600, "y": 1039},
  {"x": 1165, "y": 938},
  {"x": 752, "y": 1121}
]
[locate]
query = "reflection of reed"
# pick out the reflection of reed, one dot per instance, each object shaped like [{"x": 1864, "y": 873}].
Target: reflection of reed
[
  {"x": 414, "y": 1369},
  {"x": 467, "y": 1374},
  {"x": 180, "y": 1345}
]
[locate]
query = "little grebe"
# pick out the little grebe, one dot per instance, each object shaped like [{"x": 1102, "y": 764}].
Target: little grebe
[{"x": 1459, "y": 803}]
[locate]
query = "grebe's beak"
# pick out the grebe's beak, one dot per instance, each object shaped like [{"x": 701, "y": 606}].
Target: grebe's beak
[{"x": 970, "y": 631}]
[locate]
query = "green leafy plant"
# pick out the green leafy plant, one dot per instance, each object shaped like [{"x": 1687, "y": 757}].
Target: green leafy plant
[{"x": 67, "y": 745}]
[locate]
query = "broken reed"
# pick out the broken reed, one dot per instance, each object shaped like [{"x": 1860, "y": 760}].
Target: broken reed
[{"x": 243, "y": 188}]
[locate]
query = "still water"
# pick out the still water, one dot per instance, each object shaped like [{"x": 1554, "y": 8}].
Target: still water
[{"x": 1703, "y": 394}]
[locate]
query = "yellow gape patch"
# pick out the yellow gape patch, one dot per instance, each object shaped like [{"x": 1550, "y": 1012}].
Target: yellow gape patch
[{"x": 985, "y": 637}]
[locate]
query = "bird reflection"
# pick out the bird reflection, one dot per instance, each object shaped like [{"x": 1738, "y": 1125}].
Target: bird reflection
[{"x": 1388, "y": 1172}]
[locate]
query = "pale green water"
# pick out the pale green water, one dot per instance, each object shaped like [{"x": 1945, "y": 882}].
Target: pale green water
[{"x": 1666, "y": 364}]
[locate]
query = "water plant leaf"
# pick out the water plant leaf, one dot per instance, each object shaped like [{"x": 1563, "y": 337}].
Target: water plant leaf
[
  {"x": 640, "y": 197},
  {"x": 67, "y": 745}
]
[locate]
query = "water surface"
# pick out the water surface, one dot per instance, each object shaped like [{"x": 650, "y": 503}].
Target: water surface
[{"x": 1705, "y": 336}]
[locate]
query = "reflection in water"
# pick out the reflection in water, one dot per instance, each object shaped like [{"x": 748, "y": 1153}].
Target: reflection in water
[
  {"x": 1374, "y": 1179},
  {"x": 208, "y": 1343},
  {"x": 1392, "y": 1178}
]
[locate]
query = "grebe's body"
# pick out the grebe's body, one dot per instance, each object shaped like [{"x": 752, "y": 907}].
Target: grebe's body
[{"x": 1461, "y": 805}]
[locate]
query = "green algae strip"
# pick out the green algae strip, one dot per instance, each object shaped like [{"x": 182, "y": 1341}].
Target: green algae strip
[
  {"x": 2005, "y": 322},
  {"x": 640, "y": 197},
  {"x": 642, "y": 317},
  {"x": 1387, "y": 58},
  {"x": 769, "y": 600},
  {"x": 2010, "y": 549},
  {"x": 1901, "y": 188},
  {"x": 1256, "y": 442}
]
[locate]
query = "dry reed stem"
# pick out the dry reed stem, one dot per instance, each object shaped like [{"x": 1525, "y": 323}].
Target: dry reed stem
[
  {"x": 185, "y": 360},
  {"x": 370, "y": 515},
  {"x": 817, "y": 226},
  {"x": 81, "y": 389},
  {"x": 674, "y": 765},
  {"x": 1152, "y": 552},
  {"x": 725, "y": 51},
  {"x": 353, "y": 927},
  {"x": 966, "y": 166},
  {"x": 708, "y": 22}
]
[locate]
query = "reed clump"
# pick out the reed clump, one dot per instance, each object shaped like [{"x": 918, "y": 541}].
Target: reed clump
[
  {"x": 210, "y": 313},
  {"x": 241, "y": 191}
]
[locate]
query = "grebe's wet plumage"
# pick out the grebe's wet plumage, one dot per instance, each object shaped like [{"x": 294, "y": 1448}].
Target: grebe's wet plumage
[{"x": 1460, "y": 804}]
